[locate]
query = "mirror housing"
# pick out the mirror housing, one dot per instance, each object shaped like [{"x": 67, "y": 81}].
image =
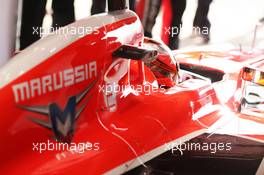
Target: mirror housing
[
  {"x": 253, "y": 75},
  {"x": 252, "y": 99},
  {"x": 135, "y": 53}
]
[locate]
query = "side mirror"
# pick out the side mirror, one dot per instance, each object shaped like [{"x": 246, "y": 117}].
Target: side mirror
[
  {"x": 253, "y": 75},
  {"x": 252, "y": 101},
  {"x": 136, "y": 53}
]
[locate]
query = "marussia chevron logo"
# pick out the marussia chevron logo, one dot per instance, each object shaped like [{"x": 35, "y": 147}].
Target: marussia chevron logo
[{"x": 61, "y": 121}]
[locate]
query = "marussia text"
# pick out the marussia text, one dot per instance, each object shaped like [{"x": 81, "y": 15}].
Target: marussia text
[{"x": 52, "y": 82}]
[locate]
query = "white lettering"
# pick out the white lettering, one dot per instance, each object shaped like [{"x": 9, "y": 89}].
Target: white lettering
[{"x": 48, "y": 83}]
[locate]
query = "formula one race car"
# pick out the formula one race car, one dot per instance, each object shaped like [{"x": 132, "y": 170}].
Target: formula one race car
[{"x": 111, "y": 101}]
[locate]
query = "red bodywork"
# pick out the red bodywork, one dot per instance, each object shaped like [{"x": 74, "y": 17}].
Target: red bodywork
[
  {"x": 132, "y": 132},
  {"x": 228, "y": 64},
  {"x": 127, "y": 131}
]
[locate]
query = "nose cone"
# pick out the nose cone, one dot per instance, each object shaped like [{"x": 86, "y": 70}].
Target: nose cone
[{"x": 114, "y": 5}]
